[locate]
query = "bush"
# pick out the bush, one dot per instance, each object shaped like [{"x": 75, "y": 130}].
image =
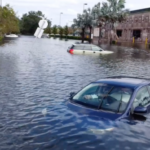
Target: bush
[
  {"x": 69, "y": 37},
  {"x": 1, "y": 38}
]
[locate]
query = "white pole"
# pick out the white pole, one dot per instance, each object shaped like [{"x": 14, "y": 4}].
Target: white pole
[{"x": 84, "y": 5}]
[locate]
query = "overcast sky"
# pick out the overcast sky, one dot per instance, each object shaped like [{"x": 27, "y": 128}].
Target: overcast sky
[{"x": 70, "y": 8}]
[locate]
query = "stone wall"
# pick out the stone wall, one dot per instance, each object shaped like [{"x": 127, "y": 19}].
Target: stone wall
[{"x": 135, "y": 21}]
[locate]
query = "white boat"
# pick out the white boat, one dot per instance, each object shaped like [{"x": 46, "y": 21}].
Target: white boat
[{"x": 11, "y": 36}]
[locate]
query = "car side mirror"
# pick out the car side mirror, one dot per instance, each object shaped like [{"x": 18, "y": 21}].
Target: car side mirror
[
  {"x": 72, "y": 94},
  {"x": 140, "y": 110}
]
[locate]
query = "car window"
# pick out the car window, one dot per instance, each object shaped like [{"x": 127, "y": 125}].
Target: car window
[
  {"x": 103, "y": 96},
  {"x": 72, "y": 46},
  {"x": 96, "y": 48},
  {"x": 87, "y": 48},
  {"x": 92, "y": 95},
  {"x": 117, "y": 99},
  {"x": 78, "y": 47},
  {"x": 142, "y": 98},
  {"x": 149, "y": 88}
]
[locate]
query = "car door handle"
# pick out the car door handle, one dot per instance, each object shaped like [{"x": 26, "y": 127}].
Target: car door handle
[{"x": 93, "y": 52}]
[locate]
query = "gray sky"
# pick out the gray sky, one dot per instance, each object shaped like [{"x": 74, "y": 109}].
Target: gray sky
[{"x": 70, "y": 8}]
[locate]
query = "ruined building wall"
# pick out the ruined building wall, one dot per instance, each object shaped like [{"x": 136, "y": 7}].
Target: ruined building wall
[{"x": 136, "y": 25}]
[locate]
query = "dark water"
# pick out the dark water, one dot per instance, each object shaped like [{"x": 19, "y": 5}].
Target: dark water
[{"x": 36, "y": 76}]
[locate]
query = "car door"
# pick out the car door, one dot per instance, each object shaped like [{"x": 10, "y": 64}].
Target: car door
[
  {"x": 96, "y": 49},
  {"x": 142, "y": 99},
  {"x": 87, "y": 49},
  {"x": 137, "y": 125}
]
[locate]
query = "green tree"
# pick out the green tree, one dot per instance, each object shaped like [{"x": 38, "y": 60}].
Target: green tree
[
  {"x": 110, "y": 13},
  {"x": 89, "y": 21},
  {"x": 54, "y": 30},
  {"x": 48, "y": 30},
  {"x": 73, "y": 28},
  {"x": 61, "y": 31},
  {"x": 66, "y": 30},
  {"x": 9, "y": 22},
  {"x": 29, "y": 22},
  {"x": 84, "y": 21},
  {"x": 114, "y": 11},
  {"x": 79, "y": 23}
]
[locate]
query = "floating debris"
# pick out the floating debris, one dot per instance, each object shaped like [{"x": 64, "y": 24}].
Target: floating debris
[{"x": 44, "y": 111}]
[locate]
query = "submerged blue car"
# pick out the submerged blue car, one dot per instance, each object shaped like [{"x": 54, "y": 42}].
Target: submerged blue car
[{"x": 113, "y": 98}]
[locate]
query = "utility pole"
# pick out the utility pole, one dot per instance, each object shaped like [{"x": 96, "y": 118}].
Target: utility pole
[{"x": 84, "y": 5}]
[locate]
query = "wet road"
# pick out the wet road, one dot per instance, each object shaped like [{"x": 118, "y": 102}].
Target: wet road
[{"x": 36, "y": 76}]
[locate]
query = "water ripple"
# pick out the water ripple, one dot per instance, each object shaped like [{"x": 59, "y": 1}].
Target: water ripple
[{"x": 36, "y": 77}]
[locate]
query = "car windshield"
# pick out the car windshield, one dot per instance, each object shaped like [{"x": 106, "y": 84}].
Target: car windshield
[{"x": 104, "y": 96}]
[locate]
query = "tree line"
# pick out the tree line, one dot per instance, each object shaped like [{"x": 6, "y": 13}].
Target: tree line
[
  {"x": 27, "y": 24},
  {"x": 9, "y": 22},
  {"x": 59, "y": 30},
  {"x": 101, "y": 15}
]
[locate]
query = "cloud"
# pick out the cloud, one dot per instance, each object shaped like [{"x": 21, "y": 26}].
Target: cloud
[
  {"x": 70, "y": 8},
  {"x": 69, "y": 1},
  {"x": 71, "y": 12}
]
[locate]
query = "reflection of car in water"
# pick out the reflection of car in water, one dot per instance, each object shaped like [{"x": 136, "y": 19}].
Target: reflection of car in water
[
  {"x": 87, "y": 49},
  {"x": 113, "y": 98}
]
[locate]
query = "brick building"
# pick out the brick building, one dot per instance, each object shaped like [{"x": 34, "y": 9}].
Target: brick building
[{"x": 136, "y": 25}]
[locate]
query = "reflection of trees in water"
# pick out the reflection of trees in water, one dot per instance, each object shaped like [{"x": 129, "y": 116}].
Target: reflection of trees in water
[
  {"x": 126, "y": 53},
  {"x": 4, "y": 42},
  {"x": 125, "y": 61}
]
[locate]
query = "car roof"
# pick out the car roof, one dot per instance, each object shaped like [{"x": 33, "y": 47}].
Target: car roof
[
  {"x": 83, "y": 44},
  {"x": 126, "y": 81}
]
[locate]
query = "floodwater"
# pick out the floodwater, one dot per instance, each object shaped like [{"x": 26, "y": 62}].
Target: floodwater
[{"x": 36, "y": 77}]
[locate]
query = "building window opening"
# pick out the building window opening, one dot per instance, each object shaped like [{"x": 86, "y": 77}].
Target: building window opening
[
  {"x": 119, "y": 33},
  {"x": 137, "y": 34}
]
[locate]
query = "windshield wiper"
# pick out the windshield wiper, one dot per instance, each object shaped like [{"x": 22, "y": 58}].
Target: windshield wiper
[
  {"x": 120, "y": 103},
  {"x": 104, "y": 98}
]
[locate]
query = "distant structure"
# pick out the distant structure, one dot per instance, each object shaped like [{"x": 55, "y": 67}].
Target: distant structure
[{"x": 136, "y": 27}]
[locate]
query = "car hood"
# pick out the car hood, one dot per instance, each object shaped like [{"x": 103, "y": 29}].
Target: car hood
[
  {"x": 82, "y": 110},
  {"x": 96, "y": 121}
]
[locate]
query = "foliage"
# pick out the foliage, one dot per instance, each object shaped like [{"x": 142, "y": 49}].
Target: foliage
[
  {"x": 71, "y": 31},
  {"x": 113, "y": 12},
  {"x": 61, "y": 31},
  {"x": 29, "y": 22},
  {"x": 48, "y": 29},
  {"x": 84, "y": 21},
  {"x": 69, "y": 37},
  {"x": 9, "y": 23},
  {"x": 110, "y": 13},
  {"x": 66, "y": 30},
  {"x": 54, "y": 30},
  {"x": 1, "y": 38}
]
